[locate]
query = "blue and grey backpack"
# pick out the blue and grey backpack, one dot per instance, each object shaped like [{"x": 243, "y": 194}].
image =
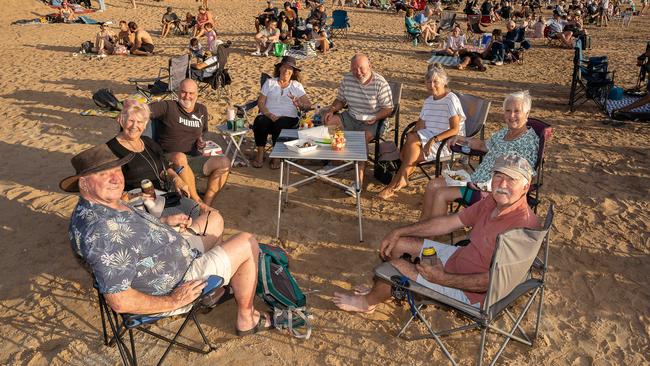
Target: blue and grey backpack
[{"x": 280, "y": 291}]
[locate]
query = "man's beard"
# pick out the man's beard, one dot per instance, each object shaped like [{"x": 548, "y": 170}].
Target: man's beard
[{"x": 186, "y": 104}]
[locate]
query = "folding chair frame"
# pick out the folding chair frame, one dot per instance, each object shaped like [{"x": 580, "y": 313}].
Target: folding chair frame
[
  {"x": 580, "y": 79},
  {"x": 484, "y": 319},
  {"x": 164, "y": 74},
  {"x": 139, "y": 322},
  {"x": 478, "y": 129}
]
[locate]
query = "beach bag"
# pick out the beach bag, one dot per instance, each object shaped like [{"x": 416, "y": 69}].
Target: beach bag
[
  {"x": 388, "y": 162},
  {"x": 105, "y": 99},
  {"x": 279, "y": 49},
  {"x": 280, "y": 291},
  {"x": 120, "y": 49}
]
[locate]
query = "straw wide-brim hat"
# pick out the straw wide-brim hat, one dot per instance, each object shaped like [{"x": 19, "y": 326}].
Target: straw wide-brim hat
[{"x": 90, "y": 161}]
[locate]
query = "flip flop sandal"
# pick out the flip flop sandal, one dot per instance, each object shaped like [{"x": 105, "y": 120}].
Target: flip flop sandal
[{"x": 260, "y": 327}]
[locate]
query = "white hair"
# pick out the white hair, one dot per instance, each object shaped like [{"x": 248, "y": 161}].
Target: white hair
[
  {"x": 436, "y": 70},
  {"x": 522, "y": 96}
]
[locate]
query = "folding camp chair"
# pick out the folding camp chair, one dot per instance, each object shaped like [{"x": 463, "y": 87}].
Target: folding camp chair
[
  {"x": 340, "y": 23},
  {"x": 220, "y": 80},
  {"x": 518, "y": 269},
  {"x": 122, "y": 323},
  {"x": 167, "y": 82},
  {"x": 474, "y": 25},
  {"x": 384, "y": 125},
  {"x": 544, "y": 131},
  {"x": 590, "y": 80},
  {"x": 447, "y": 21},
  {"x": 244, "y": 109},
  {"x": 476, "y": 111}
]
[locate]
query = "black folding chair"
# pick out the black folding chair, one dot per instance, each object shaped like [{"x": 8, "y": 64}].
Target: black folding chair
[
  {"x": 166, "y": 84},
  {"x": 590, "y": 80},
  {"x": 122, "y": 323},
  {"x": 476, "y": 111},
  {"x": 244, "y": 109}
]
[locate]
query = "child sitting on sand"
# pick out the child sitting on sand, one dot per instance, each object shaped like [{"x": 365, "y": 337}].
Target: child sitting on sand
[{"x": 196, "y": 49}]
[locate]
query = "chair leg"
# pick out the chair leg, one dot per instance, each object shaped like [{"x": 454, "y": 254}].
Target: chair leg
[
  {"x": 539, "y": 314},
  {"x": 133, "y": 354},
  {"x": 438, "y": 340},
  {"x": 481, "y": 346}
]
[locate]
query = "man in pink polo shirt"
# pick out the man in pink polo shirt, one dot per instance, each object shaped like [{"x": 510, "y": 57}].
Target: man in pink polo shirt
[{"x": 461, "y": 273}]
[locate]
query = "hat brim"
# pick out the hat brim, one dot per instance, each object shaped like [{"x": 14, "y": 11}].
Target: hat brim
[
  {"x": 71, "y": 183},
  {"x": 294, "y": 67},
  {"x": 513, "y": 173}
]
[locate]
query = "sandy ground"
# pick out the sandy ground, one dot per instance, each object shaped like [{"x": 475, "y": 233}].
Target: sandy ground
[{"x": 596, "y": 310}]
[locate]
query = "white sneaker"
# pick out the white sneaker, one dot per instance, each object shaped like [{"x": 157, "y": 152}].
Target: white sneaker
[
  {"x": 265, "y": 54},
  {"x": 499, "y": 63},
  {"x": 256, "y": 53}
]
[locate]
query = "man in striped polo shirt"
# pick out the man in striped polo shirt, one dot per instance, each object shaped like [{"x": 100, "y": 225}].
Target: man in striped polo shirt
[{"x": 368, "y": 99}]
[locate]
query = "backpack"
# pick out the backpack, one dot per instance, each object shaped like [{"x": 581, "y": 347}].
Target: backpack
[
  {"x": 280, "y": 291},
  {"x": 388, "y": 162},
  {"x": 105, "y": 99},
  {"x": 86, "y": 47}
]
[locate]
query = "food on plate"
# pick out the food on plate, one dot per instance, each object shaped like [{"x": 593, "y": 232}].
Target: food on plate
[
  {"x": 457, "y": 177},
  {"x": 305, "y": 145}
]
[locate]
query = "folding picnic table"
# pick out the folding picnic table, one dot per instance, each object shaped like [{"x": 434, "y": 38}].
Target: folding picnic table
[
  {"x": 355, "y": 151},
  {"x": 235, "y": 140}
]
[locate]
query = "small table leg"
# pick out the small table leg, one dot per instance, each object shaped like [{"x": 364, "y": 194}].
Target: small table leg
[
  {"x": 357, "y": 192},
  {"x": 280, "y": 189}
]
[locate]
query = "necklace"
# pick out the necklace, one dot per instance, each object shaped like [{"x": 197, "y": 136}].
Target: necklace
[
  {"x": 513, "y": 135},
  {"x": 152, "y": 163}
]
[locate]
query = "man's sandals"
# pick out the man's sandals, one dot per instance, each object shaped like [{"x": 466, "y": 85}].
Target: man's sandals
[{"x": 265, "y": 323}]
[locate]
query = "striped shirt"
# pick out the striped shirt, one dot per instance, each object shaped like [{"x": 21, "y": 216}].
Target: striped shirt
[
  {"x": 436, "y": 113},
  {"x": 365, "y": 101}
]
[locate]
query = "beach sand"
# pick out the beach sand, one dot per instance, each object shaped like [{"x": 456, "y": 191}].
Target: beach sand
[{"x": 596, "y": 309}]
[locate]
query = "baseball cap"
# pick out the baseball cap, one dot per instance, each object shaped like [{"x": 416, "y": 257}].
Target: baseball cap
[{"x": 513, "y": 166}]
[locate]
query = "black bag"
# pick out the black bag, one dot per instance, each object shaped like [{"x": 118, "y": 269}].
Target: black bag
[
  {"x": 86, "y": 47},
  {"x": 105, "y": 99},
  {"x": 388, "y": 162}
]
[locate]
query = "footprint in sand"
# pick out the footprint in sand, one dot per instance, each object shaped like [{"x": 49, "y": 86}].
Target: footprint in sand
[{"x": 611, "y": 208}]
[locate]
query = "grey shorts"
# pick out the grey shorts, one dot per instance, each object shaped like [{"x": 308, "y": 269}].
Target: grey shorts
[
  {"x": 196, "y": 163},
  {"x": 352, "y": 124}
]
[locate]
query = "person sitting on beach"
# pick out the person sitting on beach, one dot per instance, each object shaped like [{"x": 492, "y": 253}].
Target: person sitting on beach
[
  {"x": 506, "y": 11},
  {"x": 142, "y": 42},
  {"x": 180, "y": 129},
  {"x": 494, "y": 52},
  {"x": 169, "y": 21},
  {"x": 196, "y": 48},
  {"x": 461, "y": 273},
  {"x": 149, "y": 161},
  {"x": 516, "y": 34},
  {"x": 66, "y": 13},
  {"x": 265, "y": 39},
  {"x": 104, "y": 40},
  {"x": 455, "y": 43},
  {"x": 202, "y": 18},
  {"x": 280, "y": 99},
  {"x": 205, "y": 69},
  {"x": 290, "y": 16},
  {"x": 319, "y": 37},
  {"x": 556, "y": 30},
  {"x": 515, "y": 138},
  {"x": 643, "y": 61},
  {"x": 421, "y": 24},
  {"x": 124, "y": 36},
  {"x": 263, "y": 18},
  {"x": 140, "y": 263},
  {"x": 368, "y": 98},
  {"x": 318, "y": 15},
  {"x": 441, "y": 117},
  {"x": 188, "y": 23}
]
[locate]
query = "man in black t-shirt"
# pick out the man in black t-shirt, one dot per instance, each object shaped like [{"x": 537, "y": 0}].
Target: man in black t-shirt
[{"x": 179, "y": 131}]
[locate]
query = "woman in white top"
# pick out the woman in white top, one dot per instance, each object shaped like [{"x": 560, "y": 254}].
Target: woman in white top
[
  {"x": 455, "y": 42},
  {"x": 279, "y": 100},
  {"x": 441, "y": 117}
]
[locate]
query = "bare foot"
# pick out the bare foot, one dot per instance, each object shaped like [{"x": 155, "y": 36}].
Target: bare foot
[
  {"x": 275, "y": 164},
  {"x": 353, "y": 303},
  {"x": 257, "y": 164},
  {"x": 386, "y": 193},
  {"x": 361, "y": 290}
]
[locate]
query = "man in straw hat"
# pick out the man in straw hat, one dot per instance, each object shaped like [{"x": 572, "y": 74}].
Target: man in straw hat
[
  {"x": 461, "y": 273},
  {"x": 141, "y": 264}
]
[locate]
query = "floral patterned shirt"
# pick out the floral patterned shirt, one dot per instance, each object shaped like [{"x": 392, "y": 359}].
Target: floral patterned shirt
[
  {"x": 128, "y": 249},
  {"x": 525, "y": 146}
]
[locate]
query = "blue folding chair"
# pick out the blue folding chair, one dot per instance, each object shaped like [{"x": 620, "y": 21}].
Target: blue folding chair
[{"x": 340, "y": 23}]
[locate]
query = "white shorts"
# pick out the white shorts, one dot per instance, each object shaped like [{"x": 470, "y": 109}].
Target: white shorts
[
  {"x": 214, "y": 262},
  {"x": 443, "y": 252},
  {"x": 425, "y": 135}
]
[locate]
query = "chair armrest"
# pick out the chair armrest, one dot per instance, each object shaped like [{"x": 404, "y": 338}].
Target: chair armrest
[
  {"x": 406, "y": 130},
  {"x": 132, "y": 80},
  {"x": 247, "y": 106},
  {"x": 457, "y": 149}
]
